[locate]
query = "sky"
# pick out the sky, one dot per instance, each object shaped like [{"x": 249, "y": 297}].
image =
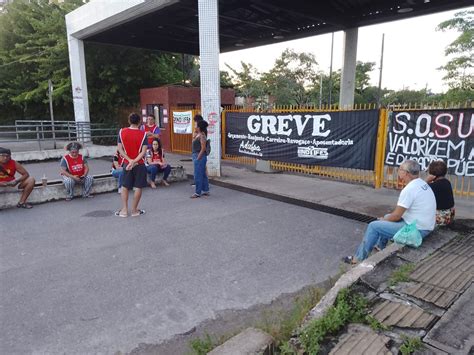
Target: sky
[{"x": 413, "y": 50}]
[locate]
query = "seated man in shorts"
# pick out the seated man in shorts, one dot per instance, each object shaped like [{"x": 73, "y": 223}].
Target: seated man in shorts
[
  {"x": 132, "y": 146},
  {"x": 8, "y": 169}
]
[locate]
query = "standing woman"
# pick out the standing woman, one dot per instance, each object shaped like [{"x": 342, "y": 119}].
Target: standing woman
[{"x": 200, "y": 160}]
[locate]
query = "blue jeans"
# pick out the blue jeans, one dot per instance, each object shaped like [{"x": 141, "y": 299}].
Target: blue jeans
[
  {"x": 380, "y": 232},
  {"x": 155, "y": 169},
  {"x": 200, "y": 177},
  {"x": 118, "y": 174}
]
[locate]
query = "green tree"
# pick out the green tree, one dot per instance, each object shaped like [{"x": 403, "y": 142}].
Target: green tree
[
  {"x": 293, "y": 78},
  {"x": 33, "y": 49},
  {"x": 248, "y": 83},
  {"x": 459, "y": 69}
]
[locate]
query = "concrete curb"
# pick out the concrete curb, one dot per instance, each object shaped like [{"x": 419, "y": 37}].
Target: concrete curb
[
  {"x": 54, "y": 190},
  {"x": 96, "y": 151},
  {"x": 348, "y": 279},
  {"x": 248, "y": 342}
]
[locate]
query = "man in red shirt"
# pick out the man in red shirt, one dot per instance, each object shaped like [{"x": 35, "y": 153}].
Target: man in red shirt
[
  {"x": 132, "y": 146},
  {"x": 151, "y": 129},
  {"x": 8, "y": 169}
]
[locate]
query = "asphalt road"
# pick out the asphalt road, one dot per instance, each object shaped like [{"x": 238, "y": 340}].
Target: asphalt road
[{"x": 75, "y": 279}]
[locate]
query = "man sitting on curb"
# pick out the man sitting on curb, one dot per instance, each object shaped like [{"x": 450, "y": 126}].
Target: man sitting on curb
[
  {"x": 416, "y": 202},
  {"x": 75, "y": 170},
  {"x": 8, "y": 169}
]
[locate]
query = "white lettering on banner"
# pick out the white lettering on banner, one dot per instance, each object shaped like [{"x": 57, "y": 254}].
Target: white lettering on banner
[
  {"x": 445, "y": 135},
  {"x": 280, "y": 125},
  {"x": 250, "y": 148},
  {"x": 313, "y": 152}
]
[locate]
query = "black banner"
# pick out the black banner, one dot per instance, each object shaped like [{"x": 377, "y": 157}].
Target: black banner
[
  {"x": 339, "y": 139},
  {"x": 427, "y": 135}
]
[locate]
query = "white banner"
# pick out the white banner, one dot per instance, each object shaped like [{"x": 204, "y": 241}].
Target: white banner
[{"x": 182, "y": 122}]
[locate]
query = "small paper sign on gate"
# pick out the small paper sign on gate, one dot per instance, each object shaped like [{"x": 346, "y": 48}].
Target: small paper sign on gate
[{"x": 182, "y": 122}]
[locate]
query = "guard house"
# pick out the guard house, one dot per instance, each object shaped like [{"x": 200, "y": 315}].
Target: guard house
[{"x": 161, "y": 101}]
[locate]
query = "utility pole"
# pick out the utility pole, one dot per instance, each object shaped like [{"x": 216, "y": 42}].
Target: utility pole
[
  {"x": 50, "y": 94},
  {"x": 330, "y": 69},
  {"x": 320, "y": 90},
  {"x": 379, "y": 94}
]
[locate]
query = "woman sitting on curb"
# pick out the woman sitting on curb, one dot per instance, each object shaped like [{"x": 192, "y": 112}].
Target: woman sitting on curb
[
  {"x": 74, "y": 170},
  {"x": 157, "y": 164},
  {"x": 443, "y": 192}
]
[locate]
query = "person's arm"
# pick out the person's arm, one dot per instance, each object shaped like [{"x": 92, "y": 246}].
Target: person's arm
[
  {"x": 67, "y": 173},
  {"x": 122, "y": 152},
  {"x": 22, "y": 171},
  {"x": 202, "y": 152},
  {"x": 133, "y": 162},
  {"x": 395, "y": 215},
  {"x": 86, "y": 169}
]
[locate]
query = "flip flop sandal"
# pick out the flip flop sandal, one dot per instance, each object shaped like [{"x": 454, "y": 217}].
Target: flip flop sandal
[
  {"x": 24, "y": 205},
  {"x": 139, "y": 213},
  {"x": 118, "y": 214}
]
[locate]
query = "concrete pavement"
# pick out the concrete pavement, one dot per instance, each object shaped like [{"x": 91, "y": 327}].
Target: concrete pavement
[{"x": 77, "y": 280}]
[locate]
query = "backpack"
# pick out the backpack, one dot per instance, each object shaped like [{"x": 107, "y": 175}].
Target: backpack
[{"x": 208, "y": 147}]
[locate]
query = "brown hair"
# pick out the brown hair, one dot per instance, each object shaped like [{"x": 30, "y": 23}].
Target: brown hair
[{"x": 438, "y": 168}]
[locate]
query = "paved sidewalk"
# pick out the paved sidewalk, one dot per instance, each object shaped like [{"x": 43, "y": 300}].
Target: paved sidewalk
[
  {"x": 435, "y": 305},
  {"x": 342, "y": 195}
]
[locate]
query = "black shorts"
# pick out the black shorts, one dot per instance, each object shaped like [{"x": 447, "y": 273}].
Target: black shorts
[{"x": 135, "y": 177}]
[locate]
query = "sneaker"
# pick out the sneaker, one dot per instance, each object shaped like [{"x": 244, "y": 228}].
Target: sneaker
[
  {"x": 119, "y": 190},
  {"x": 349, "y": 260}
]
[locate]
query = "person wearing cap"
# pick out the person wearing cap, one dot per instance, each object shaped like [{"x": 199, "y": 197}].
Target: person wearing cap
[
  {"x": 75, "y": 170},
  {"x": 8, "y": 170}
]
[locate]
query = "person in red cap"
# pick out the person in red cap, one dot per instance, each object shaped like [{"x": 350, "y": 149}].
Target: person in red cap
[{"x": 8, "y": 169}]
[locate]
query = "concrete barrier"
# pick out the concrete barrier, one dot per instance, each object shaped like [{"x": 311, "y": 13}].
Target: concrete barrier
[
  {"x": 95, "y": 151},
  {"x": 54, "y": 190}
]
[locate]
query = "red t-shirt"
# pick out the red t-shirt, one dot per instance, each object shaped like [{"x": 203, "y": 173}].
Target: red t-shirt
[
  {"x": 75, "y": 166},
  {"x": 8, "y": 171},
  {"x": 153, "y": 129},
  {"x": 156, "y": 157},
  {"x": 132, "y": 140}
]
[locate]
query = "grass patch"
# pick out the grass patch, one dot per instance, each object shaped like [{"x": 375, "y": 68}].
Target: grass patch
[
  {"x": 201, "y": 346},
  {"x": 348, "y": 308},
  {"x": 410, "y": 345},
  {"x": 281, "y": 325},
  {"x": 374, "y": 324},
  {"x": 401, "y": 274}
]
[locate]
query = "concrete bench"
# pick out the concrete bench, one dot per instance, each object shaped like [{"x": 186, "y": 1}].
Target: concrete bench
[{"x": 54, "y": 190}]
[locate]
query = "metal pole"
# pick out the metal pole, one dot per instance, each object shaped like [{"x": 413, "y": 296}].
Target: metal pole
[
  {"x": 50, "y": 92},
  {"x": 320, "y": 90},
  {"x": 330, "y": 69},
  {"x": 379, "y": 95}
]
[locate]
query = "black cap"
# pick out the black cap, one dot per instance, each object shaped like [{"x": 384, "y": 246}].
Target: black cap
[{"x": 5, "y": 151}]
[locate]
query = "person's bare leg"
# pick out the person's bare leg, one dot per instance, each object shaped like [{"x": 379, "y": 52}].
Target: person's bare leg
[
  {"x": 27, "y": 186},
  {"x": 136, "y": 199},
  {"x": 124, "y": 196}
]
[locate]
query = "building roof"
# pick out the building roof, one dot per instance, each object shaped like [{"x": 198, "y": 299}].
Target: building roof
[{"x": 251, "y": 23}]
